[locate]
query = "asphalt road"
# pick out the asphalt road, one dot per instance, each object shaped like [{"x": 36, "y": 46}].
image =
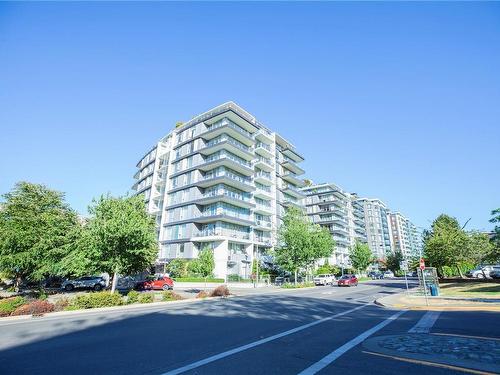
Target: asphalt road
[{"x": 309, "y": 331}]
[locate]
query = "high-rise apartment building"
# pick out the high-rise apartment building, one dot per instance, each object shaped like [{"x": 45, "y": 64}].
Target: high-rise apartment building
[
  {"x": 404, "y": 235},
  {"x": 377, "y": 228},
  {"x": 341, "y": 213},
  {"x": 221, "y": 181}
]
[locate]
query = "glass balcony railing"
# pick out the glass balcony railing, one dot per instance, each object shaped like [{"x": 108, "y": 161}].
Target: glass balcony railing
[
  {"x": 227, "y": 193},
  {"x": 232, "y": 125},
  {"x": 263, "y": 145},
  {"x": 232, "y": 176},
  {"x": 230, "y": 140},
  {"x": 263, "y": 223},
  {"x": 264, "y": 160},
  {"x": 222, "y": 232},
  {"x": 226, "y": 155},
  {"x": 227, "y": 212},
  {"x": 264, "y": 174}
]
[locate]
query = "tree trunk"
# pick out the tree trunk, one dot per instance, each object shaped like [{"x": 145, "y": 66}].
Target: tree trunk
[
  {"x": 115, "y": 281},
  {"x": 460, "y": 271},
  {"x": 295, "y": 281}
]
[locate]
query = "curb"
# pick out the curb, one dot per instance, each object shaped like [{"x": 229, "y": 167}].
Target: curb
[{"x": 435, "y": 308}]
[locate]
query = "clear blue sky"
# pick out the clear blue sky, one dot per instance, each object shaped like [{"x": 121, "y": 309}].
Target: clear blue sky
[{"x": 399, "y": 101}]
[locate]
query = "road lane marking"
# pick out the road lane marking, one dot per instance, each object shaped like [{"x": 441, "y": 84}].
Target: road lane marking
[
  {"x": 330, "y": 358},
  {"x": 433, "y": 364},
  {"x": 242, "y": 348},
  {"x": 426, "y": 322}
]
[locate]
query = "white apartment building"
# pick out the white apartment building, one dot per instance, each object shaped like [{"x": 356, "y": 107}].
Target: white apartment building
[
  {"x": 341, "y": 213},
  {"x": 221, "y": 181},
  {"x": 404, "y": 236}
]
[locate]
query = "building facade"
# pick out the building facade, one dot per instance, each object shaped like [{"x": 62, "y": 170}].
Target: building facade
[
  {"x": 221, "y": 181},
  {"x": 377, "y": 229},
  {"x": 339, "y": 212},
  {"x": 404, "y": 236}
]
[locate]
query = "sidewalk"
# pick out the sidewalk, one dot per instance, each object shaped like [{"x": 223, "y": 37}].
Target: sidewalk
[{"x": 413, "y": 302}]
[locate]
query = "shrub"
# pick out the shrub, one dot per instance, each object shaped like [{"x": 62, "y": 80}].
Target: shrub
[
  {"x": 9, "y": 305},
  {"x": 146, "y": 298},
  {"x": 35, "y": 307},
  {"x": 299, "y": 285},
  {"x": 133, "y": 296},
  {"x": 202, "y": 294},
  {"x": 168, "y": 295},
  {"x": 220, "y": 291},
  {"x": 61, "y": 304},
  {"x": 98, "y": 299},
  {"x": 198, "y": 280}
]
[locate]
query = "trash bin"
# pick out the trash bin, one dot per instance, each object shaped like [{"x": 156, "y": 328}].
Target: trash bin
[{"x": 434, "y": 290}]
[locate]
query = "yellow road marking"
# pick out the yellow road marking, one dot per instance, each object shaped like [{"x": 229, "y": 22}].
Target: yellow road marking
[{"x": 433, "y": 364}]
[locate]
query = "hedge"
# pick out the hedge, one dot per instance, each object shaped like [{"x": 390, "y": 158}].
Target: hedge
[
  {"x": 9, "y": 305},
  {"x": 93, "y": 300},
  {"x": 198, "y": 280}
]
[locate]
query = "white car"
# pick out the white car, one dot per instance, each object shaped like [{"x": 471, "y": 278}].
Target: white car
[
  {"x": 324, "y": 279},
  {"x": 481, "y": 271},
  {"x": 388, "y": 275}
]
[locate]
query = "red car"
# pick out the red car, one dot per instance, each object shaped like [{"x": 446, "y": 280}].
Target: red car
[
  {"x": 156, "y": 282},
  {"x": 348, "y": 280}
]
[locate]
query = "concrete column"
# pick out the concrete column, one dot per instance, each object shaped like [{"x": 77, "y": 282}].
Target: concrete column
[{"x": 221, "y": 253}]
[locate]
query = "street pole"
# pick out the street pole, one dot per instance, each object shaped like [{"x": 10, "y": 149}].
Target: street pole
[{"x": 425, "y": 288}]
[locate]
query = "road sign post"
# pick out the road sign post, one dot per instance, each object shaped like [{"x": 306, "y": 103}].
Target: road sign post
[
  {"x": 404, "y": 267},
  {"x": 422, "y": 269}
]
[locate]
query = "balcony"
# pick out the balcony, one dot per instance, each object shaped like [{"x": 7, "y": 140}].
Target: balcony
[
  {"x": 206, "y": 235},
  {"x": 290, "y": 202},
  {"x": 263, "y": 149},
  {"x": 263, "y": 225},
  {"x": 290, "y": 165},
  {"x": 293, "y": 191},
  {"x": 221, "y": 214},
  {"x": 263, "y": 163},
  {"x": 229, "y": 127},
  {"x": 262, "y": 240},
  {"x": 225, "y": 159},
  {"x": 264, "y": 135},
  {"x": 293, "y": 179},
  {"x": 263, "y": 209},
  {"x": 227, "y": 196},
  {"x": 225, "y": 142},
  {"x": 263, "y": 193},
  {"x": 292, "y": 154},
  {"x": 228, "y": 178},
  {"x": 263, "y": 178}
]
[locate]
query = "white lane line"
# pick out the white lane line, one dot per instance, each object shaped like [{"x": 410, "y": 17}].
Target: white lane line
[
  {"x": 426, "y": 322},
  {"x": 328, "y": 359},
  {"x": 256, "y": 343}
]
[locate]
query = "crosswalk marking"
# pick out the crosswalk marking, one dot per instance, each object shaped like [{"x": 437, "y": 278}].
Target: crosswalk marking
[{"x": 425, "y": 323}]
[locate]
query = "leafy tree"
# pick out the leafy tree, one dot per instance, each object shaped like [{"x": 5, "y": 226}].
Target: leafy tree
[
  {"x": 204, "y": 265},
  {"x": 393, "y": 260},
  {"x": 361, "y": 256},
  {"x": 326, "y": 268},
  {"x": 120, "y": 237},
  {"x": 301, "y": 243},
  {"x": 494, "y": 254},
  {"x": 177, "y": 267},
  {"x": 37, "y": 229},
  {"x": 447, "y": 244}
]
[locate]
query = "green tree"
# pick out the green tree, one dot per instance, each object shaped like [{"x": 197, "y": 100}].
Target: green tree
[
  {"x": 37, "y": 229},
  {"x": 177, "y": 267},
  {"x": 301, "y": 243},
  {"x": 393, "y": 260},
  {"x": 361, "y": 256},
  {"x": 494, "y": 253},
  {"x": 120, "y": 237},
  {"x": 204, "y": 265}
]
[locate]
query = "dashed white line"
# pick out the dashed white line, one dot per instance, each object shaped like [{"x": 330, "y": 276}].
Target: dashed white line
[{"x": 327, "y": 360}]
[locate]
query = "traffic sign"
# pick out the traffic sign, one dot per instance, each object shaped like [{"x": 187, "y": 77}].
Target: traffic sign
[
  {"x": 422, "y": 264},
  {"x": 403, "y": 265}
]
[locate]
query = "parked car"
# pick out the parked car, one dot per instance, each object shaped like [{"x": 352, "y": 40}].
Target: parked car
[
  {"x": 388, "y": 275},
  {"x": 348, "y": 280},
  {"x": 495, "y": 273},
  {"x": 481, "y": 271},
  {"x": 324, "y": 279},
  {"x": 87, "y": 282},
  {"x": 375, "y": 275},
  {"x": 158, "y": 282}
]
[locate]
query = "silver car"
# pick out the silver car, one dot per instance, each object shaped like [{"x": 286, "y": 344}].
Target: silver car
[
  {"x": 87, "y": 282},
  {"x": 481, "y": 271}
]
